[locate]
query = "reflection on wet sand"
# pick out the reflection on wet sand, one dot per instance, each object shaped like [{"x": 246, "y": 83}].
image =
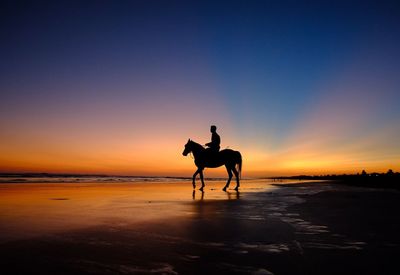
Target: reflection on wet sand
[
  {"x": 36, "y": 209},
  {"x": 168, "y": 228},
  {"x": 201, "y": 195}
]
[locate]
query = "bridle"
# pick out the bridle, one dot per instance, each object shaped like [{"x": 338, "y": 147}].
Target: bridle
[{"x": 191, "y": 151}]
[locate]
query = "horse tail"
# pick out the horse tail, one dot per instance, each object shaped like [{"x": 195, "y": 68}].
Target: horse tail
[{"x": 240, "y": 165}]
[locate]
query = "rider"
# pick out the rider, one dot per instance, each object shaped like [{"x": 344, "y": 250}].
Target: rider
[{"x": 215, "y": 140}]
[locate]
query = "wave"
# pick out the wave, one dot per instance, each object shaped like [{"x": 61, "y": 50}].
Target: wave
[{"x": 49, "y": 178}]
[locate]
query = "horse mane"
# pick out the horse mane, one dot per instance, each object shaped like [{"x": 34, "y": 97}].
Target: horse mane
[{"x": 199, "y": 146}]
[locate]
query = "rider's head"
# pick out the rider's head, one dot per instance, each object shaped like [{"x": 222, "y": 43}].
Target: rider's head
[{"x": 213, "y": 128}]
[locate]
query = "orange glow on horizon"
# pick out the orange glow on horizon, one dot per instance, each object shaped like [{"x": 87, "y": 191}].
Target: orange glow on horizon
[{"x": 324, "y": 141}]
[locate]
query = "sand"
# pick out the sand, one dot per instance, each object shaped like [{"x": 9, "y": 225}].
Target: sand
[{"x": 166, "y": 228}]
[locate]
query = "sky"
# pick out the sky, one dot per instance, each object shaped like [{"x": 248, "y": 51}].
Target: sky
[{"x": 118, "y": 87}]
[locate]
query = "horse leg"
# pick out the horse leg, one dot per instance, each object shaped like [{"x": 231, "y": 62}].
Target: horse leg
[
  {"x": 202, "y": 179},
  {"x": 237, "y": 178},
  {"x": 194, "y": 177},
  {"x": 228, "y": 169}
]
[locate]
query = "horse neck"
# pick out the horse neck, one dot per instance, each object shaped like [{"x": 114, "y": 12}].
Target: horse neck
[{"x": 197, "y": 149}]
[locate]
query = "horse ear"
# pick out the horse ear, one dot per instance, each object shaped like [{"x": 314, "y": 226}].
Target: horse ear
[{"x": 189, "y": 140}]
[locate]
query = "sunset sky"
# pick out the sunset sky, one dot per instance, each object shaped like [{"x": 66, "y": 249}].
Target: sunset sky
[{"x": 118, "y": 87}]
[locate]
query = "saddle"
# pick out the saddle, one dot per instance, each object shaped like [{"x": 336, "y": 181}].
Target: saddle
[{"x": 212, "y": 156}]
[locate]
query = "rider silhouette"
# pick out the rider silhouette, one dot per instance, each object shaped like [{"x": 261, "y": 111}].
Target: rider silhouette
[{"x": 215, "y": 140}]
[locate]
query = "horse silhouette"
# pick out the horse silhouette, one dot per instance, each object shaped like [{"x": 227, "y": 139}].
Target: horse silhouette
[{"x": 205, "y": 158}]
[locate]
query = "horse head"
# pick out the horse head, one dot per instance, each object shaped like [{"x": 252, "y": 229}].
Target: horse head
[{"x": 188, "y": 148}]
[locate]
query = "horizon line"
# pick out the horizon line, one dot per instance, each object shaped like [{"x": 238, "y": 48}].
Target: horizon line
[{"x": 10, "y": 174}]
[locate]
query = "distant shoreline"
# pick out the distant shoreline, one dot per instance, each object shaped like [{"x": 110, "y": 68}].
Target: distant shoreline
[{"x": 375, "y": 180}]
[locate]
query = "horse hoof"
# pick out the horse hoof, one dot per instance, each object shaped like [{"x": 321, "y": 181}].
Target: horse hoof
[
  {"x": 201, "y": 189},
  {"x": 237, "y": 188},
  {"x": 224, "y": 189}
]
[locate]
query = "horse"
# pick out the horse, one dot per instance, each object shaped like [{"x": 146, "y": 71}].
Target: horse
[{"x": 204, "y": 158}]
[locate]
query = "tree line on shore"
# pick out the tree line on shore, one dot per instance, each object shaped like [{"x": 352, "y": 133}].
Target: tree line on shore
[{"x": 389, "y": 179}]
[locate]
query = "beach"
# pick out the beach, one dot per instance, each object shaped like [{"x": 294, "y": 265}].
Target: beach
[{"x": 165, "y": 227}]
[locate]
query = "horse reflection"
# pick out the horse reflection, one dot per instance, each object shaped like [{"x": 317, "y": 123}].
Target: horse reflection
[
  {"x": 233, "y": 195},
  {"x": 230, "y": 195}
]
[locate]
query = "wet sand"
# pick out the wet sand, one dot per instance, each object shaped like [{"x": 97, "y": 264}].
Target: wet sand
[{"x": 165, "y": 228}]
